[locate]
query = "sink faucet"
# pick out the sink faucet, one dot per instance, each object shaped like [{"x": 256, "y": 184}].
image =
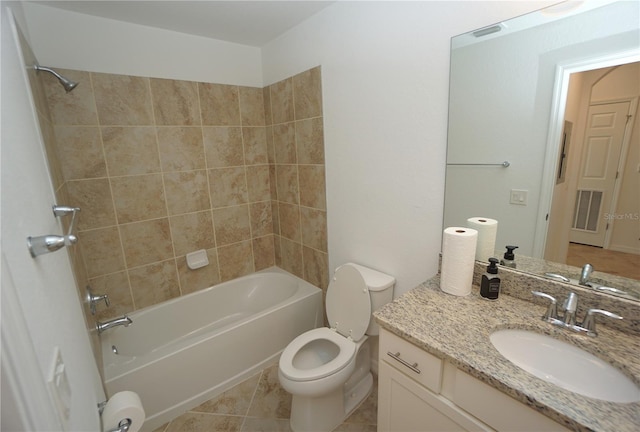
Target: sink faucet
[
  {"x": 568, "y": 320},
  {"x": 122, "y": 321},
  {"x": 584, "y": 275}
]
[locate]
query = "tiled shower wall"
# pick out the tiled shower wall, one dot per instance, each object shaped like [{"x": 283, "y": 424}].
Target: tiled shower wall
[{"x": 161, "y": 168}]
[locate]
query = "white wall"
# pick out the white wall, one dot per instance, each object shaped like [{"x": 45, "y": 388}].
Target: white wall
[
  {"x": 385, "y": 69},
  {"x": 76, "y": 41}
]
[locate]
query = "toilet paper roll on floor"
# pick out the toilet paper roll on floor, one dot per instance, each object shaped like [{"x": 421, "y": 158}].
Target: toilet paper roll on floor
[
  {"x": 487, "y": 230},
  {"x": 121, "y": 406},
  {"x": 458, "y": 260}
]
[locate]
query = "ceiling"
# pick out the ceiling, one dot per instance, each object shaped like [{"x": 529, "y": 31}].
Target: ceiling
[{"x": 252, "y": 23}]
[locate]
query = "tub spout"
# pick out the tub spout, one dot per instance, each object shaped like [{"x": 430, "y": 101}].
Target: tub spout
[{"x": 122, "y": 321}]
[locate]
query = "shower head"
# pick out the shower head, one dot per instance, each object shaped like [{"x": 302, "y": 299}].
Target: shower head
[{"x": 66, "y": 83}]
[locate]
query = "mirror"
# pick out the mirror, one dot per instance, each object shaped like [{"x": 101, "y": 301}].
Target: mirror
[{"x": 513, "y": 99}]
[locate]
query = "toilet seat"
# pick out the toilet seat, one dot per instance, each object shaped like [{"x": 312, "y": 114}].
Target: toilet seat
[{"x": 345, "y": 355}]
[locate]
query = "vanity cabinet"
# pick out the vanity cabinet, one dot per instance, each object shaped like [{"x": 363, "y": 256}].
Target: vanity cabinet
[{"x": 418, "y": 391}]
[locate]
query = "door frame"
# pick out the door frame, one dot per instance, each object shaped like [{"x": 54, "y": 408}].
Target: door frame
[{"x": 556, "y": 124}]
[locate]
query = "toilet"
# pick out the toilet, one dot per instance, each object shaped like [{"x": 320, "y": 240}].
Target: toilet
[{"x": 327, "y": 370}]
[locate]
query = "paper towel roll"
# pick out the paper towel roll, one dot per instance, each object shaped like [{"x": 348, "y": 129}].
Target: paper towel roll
[
  {"x": 123, "y": 405},
  {"x": 487, "y": 231},
  {"x": 458, "y": 259}
]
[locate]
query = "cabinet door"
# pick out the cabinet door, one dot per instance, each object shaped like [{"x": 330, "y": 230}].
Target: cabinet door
[{"x": 404, "y": 405}]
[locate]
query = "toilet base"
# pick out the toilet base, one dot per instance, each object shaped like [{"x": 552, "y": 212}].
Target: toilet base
[{"x": 325, "y": 413}]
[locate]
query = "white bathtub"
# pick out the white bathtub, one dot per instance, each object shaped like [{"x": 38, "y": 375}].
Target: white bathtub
[{"x": 182, "y": 352}]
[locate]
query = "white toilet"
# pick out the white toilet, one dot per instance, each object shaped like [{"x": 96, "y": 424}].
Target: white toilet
[{"x": 327, "y": 370}]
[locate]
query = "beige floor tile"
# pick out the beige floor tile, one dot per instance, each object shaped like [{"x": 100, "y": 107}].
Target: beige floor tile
[{"x": 235, "y": 401}]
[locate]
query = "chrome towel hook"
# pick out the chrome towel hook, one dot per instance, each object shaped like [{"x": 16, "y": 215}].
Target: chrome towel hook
[{"x": 41, "y": 245}]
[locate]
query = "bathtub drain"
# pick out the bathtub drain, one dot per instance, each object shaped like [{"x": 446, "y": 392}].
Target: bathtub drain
[{"x": 114, "y": 349}]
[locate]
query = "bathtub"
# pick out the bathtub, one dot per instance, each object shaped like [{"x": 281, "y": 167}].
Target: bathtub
[{"x": 185, "y": 351}]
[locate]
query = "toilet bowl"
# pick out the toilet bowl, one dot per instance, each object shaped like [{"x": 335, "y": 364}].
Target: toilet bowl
[{"x": 327, "y": 370}]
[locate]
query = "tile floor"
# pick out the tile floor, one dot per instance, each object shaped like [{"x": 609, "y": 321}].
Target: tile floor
[{"x": 261, "y": 404}]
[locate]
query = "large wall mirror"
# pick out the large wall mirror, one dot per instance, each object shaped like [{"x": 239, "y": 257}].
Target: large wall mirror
[{"x": 554, "y": 94}]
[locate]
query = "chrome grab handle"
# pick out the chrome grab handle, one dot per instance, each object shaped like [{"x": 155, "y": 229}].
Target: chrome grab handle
[
  {"x": 396, "y": 356},
  {"x": 44, "y": 244}
]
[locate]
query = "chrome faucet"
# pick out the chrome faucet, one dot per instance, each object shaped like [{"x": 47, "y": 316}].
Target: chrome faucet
[
  {"x": 584, "y": 275},
  {"x": 122, "y": 321},
  {"x": 568, "y": 320}
]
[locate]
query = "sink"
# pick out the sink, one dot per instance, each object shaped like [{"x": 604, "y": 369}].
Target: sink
[{"x": 565, "y": 365}]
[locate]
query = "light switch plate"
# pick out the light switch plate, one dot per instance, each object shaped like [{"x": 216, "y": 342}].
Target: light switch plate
[
  {"x": 58, "y": 384},
  {"x": 518, "y": 197}
]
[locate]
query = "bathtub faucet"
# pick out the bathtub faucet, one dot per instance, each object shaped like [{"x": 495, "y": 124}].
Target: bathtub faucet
[{"x": 122, "y": 321}]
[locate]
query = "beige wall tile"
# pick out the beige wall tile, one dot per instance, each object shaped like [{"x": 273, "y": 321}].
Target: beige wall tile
[
  {"x": 181, "y": 148},
  {"x": 251, "y": 106},
  {"x": 138, "y": 197},
  {"x": 122, "y": 99},
  {"x": 261, "y": 219},
  {"x": 255, "y": 145},
  {"x": 154, "y": 283},
  {"x": 228, "y": 186},
  {"x": 223, "y": 146},
  {"x": 49, "y": 140},
  {"x": 258, "y": 183},
  {"x": 263, "y": 252},
  {"x": 310, "y": 141},
  {"x": 80, "y": 152},
  {"x": 289, "y": 215},
  {"x": 192, "y": 232},
  {"x": 219, "y": 104},
  {"x": 95, "y": 201},
  {"x": 273, "y": 182},
  {"x": 307, "y": 92},
  {"x": 235, "y": 260},
  {"x": 312, "y": 186},
  {"x": 276, "y": 217},
  {"x": 146, "y": 242},
  {"x": 186, "y": 191},
  {"x": 287, "y": 183},
  {"x": 282, "y": 101},
  {"x": 204, "y": 277},
  {"x": 316, "y": 267},
  {"x": 291, "y": 254},
  {"x": 175, "y": 102},
  {"x": 232, "y": 224},
  {"x": 131, "y": 150},
  {"x": 116, "y": 286},
  {"x": 284, "y": 142},
  {"x": 266, "y": 95},
  {"x": 102, "y": 251},
  {"x": 271, "y": 148},
  {"x": 75, "y": 108},
  {"x": 314, "y": 228}
]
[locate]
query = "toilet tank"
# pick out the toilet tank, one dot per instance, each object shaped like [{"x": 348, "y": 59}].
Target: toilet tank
[{"x": 380, "y": 291}]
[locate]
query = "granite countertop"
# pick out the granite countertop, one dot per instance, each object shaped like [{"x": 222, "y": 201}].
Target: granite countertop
[{"x": 457, "y": 329}]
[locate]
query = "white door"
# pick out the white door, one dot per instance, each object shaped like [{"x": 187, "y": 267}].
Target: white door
[
  {"x": 604, "y": 135},
  {"x": 41, "y": 312}
]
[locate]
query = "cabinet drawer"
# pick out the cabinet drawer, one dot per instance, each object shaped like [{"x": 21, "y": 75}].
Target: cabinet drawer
[{"x": 414, "y": 362}]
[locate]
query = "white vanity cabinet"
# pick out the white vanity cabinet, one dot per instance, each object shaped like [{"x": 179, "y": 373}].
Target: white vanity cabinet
[{"x": 417, "y": 391}]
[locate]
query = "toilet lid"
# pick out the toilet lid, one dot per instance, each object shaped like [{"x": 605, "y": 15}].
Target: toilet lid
[{"x": 348, "y": 303}]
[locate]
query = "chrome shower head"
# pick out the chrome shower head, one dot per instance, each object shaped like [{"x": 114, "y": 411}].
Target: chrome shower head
[{"x": 66, "y": 83}]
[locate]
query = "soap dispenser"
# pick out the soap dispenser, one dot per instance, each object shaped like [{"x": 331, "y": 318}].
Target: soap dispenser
[
  {"x": 509, "y": 259},
  {"x": 490, "y": 285}
]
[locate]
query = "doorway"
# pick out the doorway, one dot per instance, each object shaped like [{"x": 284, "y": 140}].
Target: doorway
[{"x": 599, "y": 178}]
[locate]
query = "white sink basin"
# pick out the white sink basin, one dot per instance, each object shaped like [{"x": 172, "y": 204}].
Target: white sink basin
[{"x": 565, "y": 365}]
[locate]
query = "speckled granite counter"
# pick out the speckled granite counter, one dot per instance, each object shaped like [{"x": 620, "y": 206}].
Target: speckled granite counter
[{"x": 457, "y": 329}]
